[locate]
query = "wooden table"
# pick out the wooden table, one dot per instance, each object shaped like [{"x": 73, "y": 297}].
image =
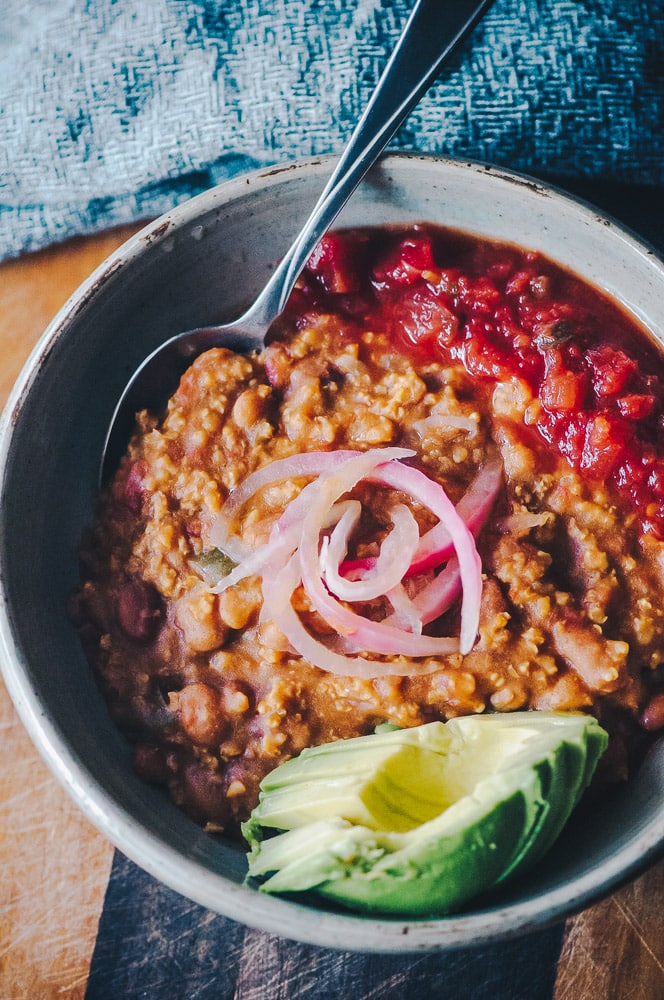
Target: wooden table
[{"x": 55, "y": 866}]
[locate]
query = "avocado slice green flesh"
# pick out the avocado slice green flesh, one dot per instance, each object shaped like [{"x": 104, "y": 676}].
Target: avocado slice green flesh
[{"x": 418, "y": 821}]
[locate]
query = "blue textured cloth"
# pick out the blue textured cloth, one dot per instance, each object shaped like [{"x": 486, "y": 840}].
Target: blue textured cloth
[{"x": 114, "y": 110}]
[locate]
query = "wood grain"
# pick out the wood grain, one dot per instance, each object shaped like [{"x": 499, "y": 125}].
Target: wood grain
[
  {"x": 54, "y": 864},
  {"x": 615, "y": 949}
]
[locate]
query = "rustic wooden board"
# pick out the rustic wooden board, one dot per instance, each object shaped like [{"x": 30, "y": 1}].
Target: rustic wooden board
[
  {"x": 195, "y": 954},
  {"x": 615, "y": 949}
]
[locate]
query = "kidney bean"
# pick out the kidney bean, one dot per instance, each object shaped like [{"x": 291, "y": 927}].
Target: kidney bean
[
  {"x": 652, "y": 717},
  {"x": 132, "y": 495},
  {"x": 139, "y": 610},
  {"x": 243, "y": 777},
  {"x": 151, "y": 763},
  {"x": 200, "y": 711},
  {"x": 204, "y": 795}
]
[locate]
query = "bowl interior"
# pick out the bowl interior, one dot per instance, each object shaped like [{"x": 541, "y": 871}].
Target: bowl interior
[{"x": 202, "y": 263}]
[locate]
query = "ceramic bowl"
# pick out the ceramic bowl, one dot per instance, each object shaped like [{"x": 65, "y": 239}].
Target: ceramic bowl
[{"x": 201, "y": 263}]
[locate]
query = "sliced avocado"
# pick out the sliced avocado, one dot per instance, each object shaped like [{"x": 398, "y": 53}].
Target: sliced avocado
[
  {"x": 418, "y": 821},
  {"x": 378, "y": 781}
]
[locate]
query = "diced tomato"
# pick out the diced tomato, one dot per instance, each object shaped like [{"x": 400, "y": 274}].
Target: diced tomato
[
  {"x": 611, "y": 369},
  {"x": 424, "y": 316},
  {"x": 636, "y": 406},
  {"x": 509, "y": 328},
  {"x": 571, "y": 436},
  {"x": 335, "y": 263},
  {"x": 519, "y": 282},
  {"x": 552, "y": 324},
  {"x": 447, "y": 283},
  {"x": 562, "y": 390},
  {"x": 603, "y": 446},
  {"x": 412, "y": 258},
  {"x": 504, "y": 313},
  {"x": 656, "y": 479},
  {"x": 481, "y": 356},
  {"x": 502, "y": 270},
  {"x": 630, "y": 476},
  {"x": 653, "y": 522},
  {"x": 478, "y": 295}
]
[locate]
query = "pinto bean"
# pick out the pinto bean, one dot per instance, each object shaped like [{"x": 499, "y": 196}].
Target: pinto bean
[
  {"x": 198, "y": 617},
  {"x": 200, "y": 710},
  {"x": 250, "y": 406},
  {"x": 600, "y": 663},
  {"x": 236, "y": 606},
  {"x": 139, "y": 610}
]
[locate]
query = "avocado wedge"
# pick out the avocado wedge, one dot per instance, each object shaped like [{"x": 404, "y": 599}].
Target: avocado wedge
[{"x": 418, "y": 821}]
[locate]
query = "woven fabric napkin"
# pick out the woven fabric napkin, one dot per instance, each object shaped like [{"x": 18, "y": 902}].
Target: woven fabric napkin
[{"x": 114, "y": 110}]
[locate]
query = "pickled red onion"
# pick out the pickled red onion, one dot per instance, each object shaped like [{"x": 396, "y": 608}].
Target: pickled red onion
[
  {"x": 301, "y": 549},
  {"x": 405, "y": 612},
  {"x": 379, "y": 637},
  {"x": 282, "y": 541},
  {"x": 388, "y": 569},
  {"x": 475, "y": 505},
  {"x": 435, "y": 546},
  {"x": 432, "y": 495},
  {"x": 277, "y": 594},
  {"x": 309, "y": 463}
]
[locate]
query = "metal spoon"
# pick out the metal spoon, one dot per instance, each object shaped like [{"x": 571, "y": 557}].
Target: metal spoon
[{"x": 432, "y": 32}]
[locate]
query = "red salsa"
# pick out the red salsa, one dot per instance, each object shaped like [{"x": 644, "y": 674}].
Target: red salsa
[{"x": 507, "y": 313}]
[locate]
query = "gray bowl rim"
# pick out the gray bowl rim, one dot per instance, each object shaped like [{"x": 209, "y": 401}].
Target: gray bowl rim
[{"x": 350, "y": 932}]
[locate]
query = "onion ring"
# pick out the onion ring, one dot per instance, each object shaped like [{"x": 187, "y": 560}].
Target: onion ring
[{"x": 301, "y": 549}]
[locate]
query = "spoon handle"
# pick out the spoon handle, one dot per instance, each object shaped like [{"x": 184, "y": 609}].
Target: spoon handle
[{"x": 432, "y": 32}]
